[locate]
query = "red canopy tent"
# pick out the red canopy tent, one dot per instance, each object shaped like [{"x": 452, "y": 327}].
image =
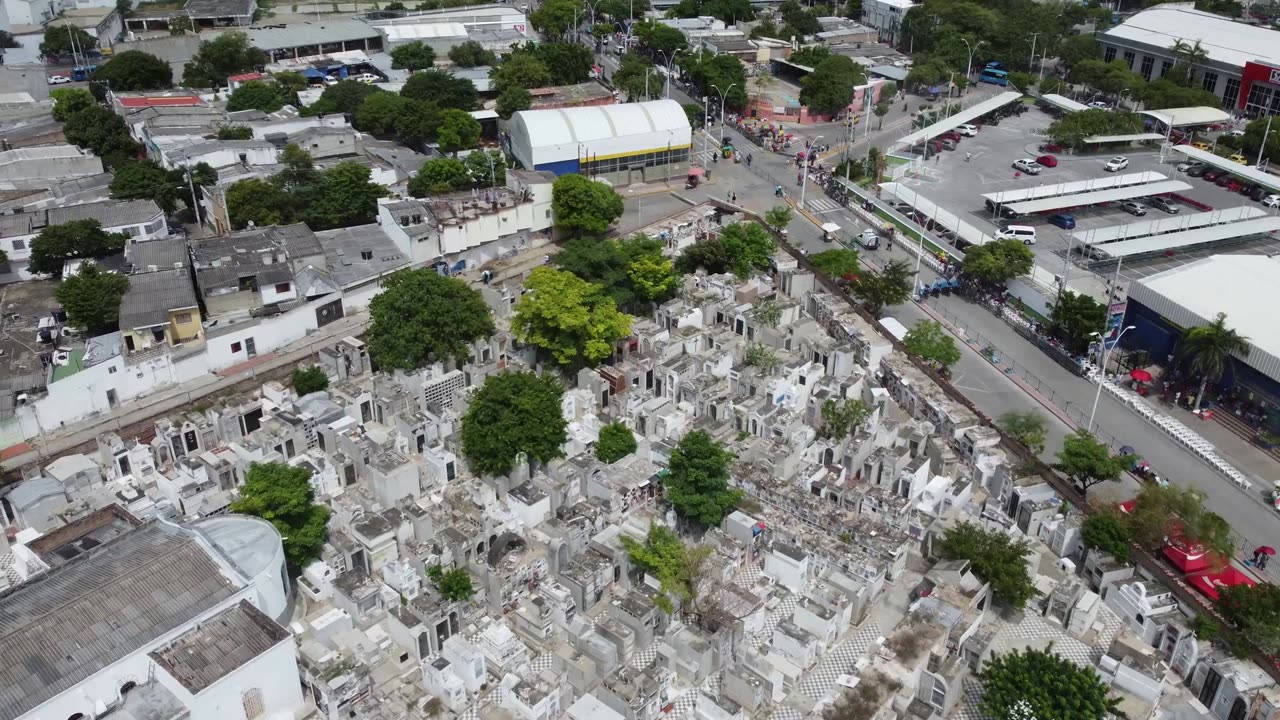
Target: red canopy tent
[
  {"x": 1211, "y": 583},
  {"x": 1127, "y": 506},
  {"x": 1187, "y": 557}
]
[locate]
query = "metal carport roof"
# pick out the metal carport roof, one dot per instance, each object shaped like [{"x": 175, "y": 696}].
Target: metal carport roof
[
  {"x": 1176, "y": 223},
  {"x": 946, "y": 219},
  {"x": 1063, "y": 103},
  {"x": 960, "y": 118},
  {"x": 1182, "y": 117},
  {"x": 1032, "y": 207},
  {"x": 1124, "y": 138},
  {"x": 1075, "y": 186},
  {"x": 1191, "y": 238},
  {"x": 1244, "y": 172}
]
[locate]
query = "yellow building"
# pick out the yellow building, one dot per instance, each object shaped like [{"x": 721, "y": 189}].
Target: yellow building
[{"x": 160, "y": 310}]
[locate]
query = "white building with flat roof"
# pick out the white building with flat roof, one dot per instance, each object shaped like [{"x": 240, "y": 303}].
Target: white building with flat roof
[{"x": 886, "y": 17}]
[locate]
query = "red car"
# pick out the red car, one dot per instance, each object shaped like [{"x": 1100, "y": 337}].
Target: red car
[
  {"x": 1050, "y": 147},
  {"x": 950, "y": 135},
  {"x": 1233, "y": 185},
  {"x": 1047, "y": 161}
]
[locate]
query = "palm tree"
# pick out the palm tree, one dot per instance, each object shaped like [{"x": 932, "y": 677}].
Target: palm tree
[
  {"x": 1207, "y": 350},
  {"x": 1189, "y": 55}
]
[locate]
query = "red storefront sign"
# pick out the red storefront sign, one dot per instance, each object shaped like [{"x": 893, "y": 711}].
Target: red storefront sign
[{"x": 1256, "y": 72}]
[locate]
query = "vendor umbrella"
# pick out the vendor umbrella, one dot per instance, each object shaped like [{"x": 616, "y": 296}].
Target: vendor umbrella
[
  {"x": 1127, "y": 450},
  {"x": 1265, "y": 550},
  {"x": 1140, "y": 375}
]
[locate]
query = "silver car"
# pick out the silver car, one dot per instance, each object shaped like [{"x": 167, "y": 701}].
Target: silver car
[{"x": 1134, "y": 208}]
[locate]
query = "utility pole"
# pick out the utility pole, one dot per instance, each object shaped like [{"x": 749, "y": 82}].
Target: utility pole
[
  {"x": 1265, "y": 135},
  {"x": 195, "y": 204},
  {"x": 1033, "y": 46}
]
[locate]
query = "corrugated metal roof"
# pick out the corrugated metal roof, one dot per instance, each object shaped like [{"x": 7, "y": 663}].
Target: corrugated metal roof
[
  {"x": 1225, "y": 40},
  {"x": 1063, "y": 103},
  {"x": 1075, "y": 186},
  {"x": 1194, "y": 238},
  {"x": 960, "y": 118},
  {"x": 1032, "y": 207},
  {"x": 947, "y": 219},
  {"x": 1176, "y": 223},
  {"x": 1183, "y": 117},
  {"x": 220, "y": 645},
  {"x": 302, "y": 34},
  {"x": 1140, "y": 137},
  {"x": 1244, "y": 172}
]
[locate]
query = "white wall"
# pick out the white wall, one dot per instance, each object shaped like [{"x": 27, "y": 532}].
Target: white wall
[{"x": 274, "y": 673}]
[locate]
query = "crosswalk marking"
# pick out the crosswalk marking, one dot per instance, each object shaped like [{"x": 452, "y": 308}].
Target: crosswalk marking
[{"x": 822, "y": 204}]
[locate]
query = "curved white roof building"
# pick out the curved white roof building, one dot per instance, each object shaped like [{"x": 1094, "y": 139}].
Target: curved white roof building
[{"x": 562, "y": 140}]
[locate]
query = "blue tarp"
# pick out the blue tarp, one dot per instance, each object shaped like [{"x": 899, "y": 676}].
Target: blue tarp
[{"x": 313, "y": 73}]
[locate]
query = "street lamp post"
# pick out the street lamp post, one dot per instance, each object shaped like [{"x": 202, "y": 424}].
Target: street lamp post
[
  {"x": 671, "y": 60},
  {"x": 1265, "y": 135},
  {"x": 1106, "y": 353},
  {"x": 1034, "y": 36},
  {"x": 804, "y": 178},
  {"x": 968, "y": 69},
  {"x": 722, "y": 95}
]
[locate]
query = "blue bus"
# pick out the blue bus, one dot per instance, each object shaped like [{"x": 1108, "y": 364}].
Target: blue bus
[{"x": 994, "y": 76}]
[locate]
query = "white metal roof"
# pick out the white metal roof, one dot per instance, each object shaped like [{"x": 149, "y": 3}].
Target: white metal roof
[
  {"x": 543, "y": 136},
  {"x": 1172, "y": 223},
  {"x": 1226, "y": 41},
  {"x": 960, "y": 118},
  {"x": 1192, "y": 238},
  {"x": 946, "y": 219},
  {"x": 1182, "y": 117},
  {"x": 424, "y": 31},
  {"x": 1063, "y": 103},
  {"x": 1031, "y": 207},
  {"x": 1242, "y": 286},
  {"x": 1124, "y": 138},
  {"x": 1244, "y": 172},
  {"x": 1075, "y": 186}
]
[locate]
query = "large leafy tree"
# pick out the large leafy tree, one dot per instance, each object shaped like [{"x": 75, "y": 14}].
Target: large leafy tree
[
  {"x": 71, "y": 240},
  {"x": 891, "y": 287},
  {"x": 555, "y": 18},
  {"x": 1072, "y": 129},
  {"x": 134, "y": 70},
  {"x": 422, "y": 317},
  {"x": 92, "y": 298},
  {"x": 637, "y": 77},
  {"x": 1255, "y": 610},
  {"x": 840, "y": 418},
  {"x": 569, "y": 63},
  {"x": 471, "y": 54},
  {"x": 309, "y": 379},
  {"x": 995, "y": 557},
  {"x": 1207, "y": 351},
  {"x": 616, "y": 442},
  {"x": 218, "y": 59},
  {"x": 581, "y": 205},
  {"x": 1028, "y": 428},
  {"x": 995, "y": 263},
  {"x": 440, "y": 175},
  {"x": 653, "y": 277},
  {"x": 258, "y": 95},
  {"x": 680, "y": 569},
  {"x": 660, "y": 37},
  {"x": 513, "y": 100},
  {"x": 413, "y": 56},
  {"x": 1086, "y": 461},
  {"x": 68, "y": 101},
  {"x": 147, "y": 180},
  {"x": 715, "y": 74},
  {"x": 521, "y": 70},
  {"x": 929, "y": 342},
  {"x": 345, "y": 196},
  {"x": 513, "y": 413},
  {"x": 710, "y": 255},
  {"x": 64, "y": 39},
  {"x": 697, "y": 482},
  {"x": 454, "y": 584},
  {"x": 839, "y": 263},
  {"x": 1037, "y": 684},
  {"x": 346, "y": 97},
  {"x": 458, "y": 130},
  {"x": 829, "y": 88},
  {"x": 102, "y": 132},
  {"x": 750, "y": 247},
  {"x": 1161, "y": 512},
  {"x": 1108, "y": 532},
  {"x": 1075, "y": 318},
  {"x": 573, "y": 320},
  {"x": 283, "y": 496},
  {"x": 441, "y": 88},
  {"x": 608, "y": 263},
  {"x": 488, "y": 168},
  {"x": 258, "y": 201}
]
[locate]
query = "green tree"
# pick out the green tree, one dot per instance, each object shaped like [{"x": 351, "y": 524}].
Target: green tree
[
  {"x": 513, "y": 413},
  {"x": 1075, "y": 318},
  {"x": 1037, "y": 684},
  {"x": 710, "y": 255},
  {"x": 1161, "y": 512},
  {"x": 616, "y": 442},
  {"x": 767, "y": 312},
  {"x": 573, "y": 320},
  {"x": 929, "y": 342},
  {"x": 608, "y": 263},
  {"x": 653, "y": 277},
  {"x": 68, "y": 101},
  {"x": 555, "y": 18},
  {"x": 57, "y": 244},
  {"x": 829, "y": 88},
  {"x": 1086, "y": 461},
  {"x": 283, "y": 496},
  {"x": 697, "y": 482},
  {"x": 64, "y": 39},
  {"x": 837, "y": 264},
  {"x": 92, "y": 298},
  {"x": 724, "y": 71},
  {"x": 182, "y": 24},
  {"x": 569, "y": 63},
  {"x": 230, "y": 53},
  {"x": 309, "y": 379},
  {"x": 346, "y": 97},
  {"x": 1077, "y": 48},
  {"x": 292, "y": 82},
  {"x": 257, "y": 201},
  {"x": 1072, "y": 129},
  {"x": 1028, "y": 428},
  {"x": 422, "y": 317},
  {"x": 7, "y": 40},
  {"x": 841, "y": 417},
  {"x": 1025, "y": 82},
  {"x": 659, "y": 37},
  {"x": 458, "y": 130},
  {"x": 471, "y": 54},
  {"x": 637, "y": 77},
  {"x": 679, "y": 568},
  {"x": 1108, "y": 532},
  {"x": 454, "y": 584},
  {"x": 521, "y": 70},
  {"x": 581, "y": 205},
  {"x": 235, "y": 132},
  {"x": 810, "y": 55},
  {"x": 749, "y": 246},
  {"x": 1207, "y": 351},
  {"x": 147, "y": 180},
  {"x": 134, "y": 70},
  {"x": 881, "y": 109},
  {"x": 258, "y": 95},
  {"x": 995, "y": 557},
  {"x": 1164, "y": 93},
  {"x": 995, "y": 263},
  {"x": 488, "y": 168},
  {"x": 344, "y": 197},
  {"x": 1255, "y": 611},
  {"x": 413, "y": 56},
  {"x": 891, "y": 287},
  {"x": 441, "y": 88},
  {"x": 513, "y": 100},
  {"x": 103, "y": 133},
  {"x": 778, "y": 217},
  {"x": 440, "y": 175},
  {"x": 761, "y": 356}
]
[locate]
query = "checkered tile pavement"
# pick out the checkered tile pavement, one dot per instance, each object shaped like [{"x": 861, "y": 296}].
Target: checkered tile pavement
[{"x": 838, "y": 660}]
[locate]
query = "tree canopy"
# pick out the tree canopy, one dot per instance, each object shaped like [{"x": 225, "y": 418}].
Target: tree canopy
[
  {"x": 65, "y": 39},
  {"x": 230, "y": 53},
  {"x": 67, "y": 101},
  {"x": 891, "y": 287},
  {"x": 749, "y": 246},
  {"x": 713, "y": 74},
  {"x": 134, "y": 70},
  {"x": 440, "y": 175},
  {"x": 660, "y": 37},
  {"x": 829, "y": 88},
  {"x": 458, "y": 130},
  {"x": 454, "y": 584},
  {"x": 345, "y": 97},
  {"x": 609, "y": 264},
  {"x": 1161, "y": 512},
  {"x": 1255, "y": 610},
  {"x": 148, "y": 180},
  {"x": 513, "y": 413},
  {"x": 422, "y": 317},
  {"x": 102, "y": 132},
  {"x": 413, "y": 56},
  {"x": 556, "y": 18},
  {"x": 929, "y": 342},
  {"x": 995, "y": 263},
  {"x": 573, "y": 320},
  {"x": 1108, "y": 532},
  {"x": 513, "y": 100},
  {"x": 1071, "y": 129},
  {"x": 840, "y": 418},
  {"x": 1075, "y": 318},
  {"x": 91, "y": 298},
  {"x": 1207, "y": 350},
  {"x": 341, "y": 196},
  {"x": 616, "y": 442},
  {"x": 838, "y": 263},
  {"x": 581, "y": 205},
  {"x": 309, "y": 379},
  {"x": 679, "y": 568},
  {"x": 1086, "y": 461},
  {"x": 283, "y": 496},
  {"x": 995, "y": 557},
  {"x": 258, "y": 95},
  {"x": 83, "y": 239},
  {"x": 442, "y": 88},
  {"x": 1028, "y": 428},
  {"x": 1037, "y": 684},
  {"x": 471, "y": 54},
  {"x": 697, "y": 483}
]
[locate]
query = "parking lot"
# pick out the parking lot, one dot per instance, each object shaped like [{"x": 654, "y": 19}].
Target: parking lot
[{"x": 958, "y": 186}]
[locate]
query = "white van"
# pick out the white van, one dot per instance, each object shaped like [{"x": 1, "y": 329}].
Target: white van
[{"x": 1025, "y": 233}]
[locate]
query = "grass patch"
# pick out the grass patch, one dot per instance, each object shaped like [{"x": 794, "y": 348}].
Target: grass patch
[{"x": 895, "y": 160}]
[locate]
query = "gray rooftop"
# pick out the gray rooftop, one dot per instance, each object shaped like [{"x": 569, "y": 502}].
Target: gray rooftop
[
  {"x": 280, "y": 37},
  {"x": 151, "y": 296},
  {"x": 153, "y": 255},
  {"x": 206, "y": 654},
  {"x": 75, "y": 620},
  {"x": 359, "y": 253},
  {"x": 222, "y": 261},
  {"x": 219, "y": 8},
  {"x": 110, "y": 213}
]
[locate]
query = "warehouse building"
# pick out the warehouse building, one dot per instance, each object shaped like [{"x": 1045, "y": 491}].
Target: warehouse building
[
  {"x": 1242, "y": 65},
  {"x": 624, "y": 144}
]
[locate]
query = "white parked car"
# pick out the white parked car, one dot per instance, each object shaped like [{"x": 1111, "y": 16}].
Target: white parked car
[
  {"x": 1099, "y": 105},
  {"x": 367, "y": 78},
  {"x": 1027, "y": 165},
  {"x": 1271, "y": 201},
  {"x": 1233, "y": 133},
  {"x": 967, "y": 130},
  {"x": 59, "y": 79},
  {"x": 1116, "y": 163},
  {"x": 330, "y": 80}
]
